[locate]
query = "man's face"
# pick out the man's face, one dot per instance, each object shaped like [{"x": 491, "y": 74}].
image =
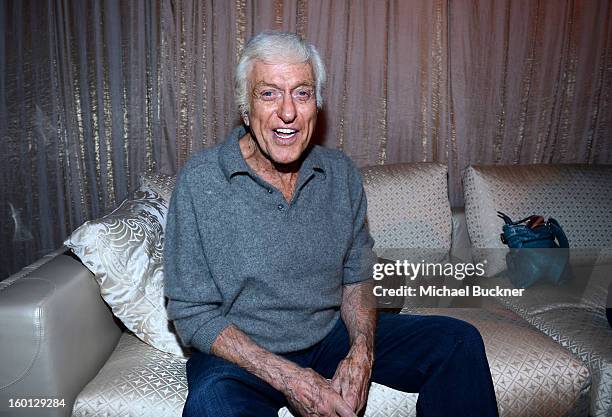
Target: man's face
[{"x": 283, "y": 109}]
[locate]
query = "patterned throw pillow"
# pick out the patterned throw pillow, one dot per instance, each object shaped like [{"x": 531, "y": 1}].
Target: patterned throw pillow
[
  {"x": 162, "y": 184},
  {"x": 124, "y": 251}
]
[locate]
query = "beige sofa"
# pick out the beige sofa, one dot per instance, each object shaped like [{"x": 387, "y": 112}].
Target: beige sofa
[{"x": 58, "y": 339}]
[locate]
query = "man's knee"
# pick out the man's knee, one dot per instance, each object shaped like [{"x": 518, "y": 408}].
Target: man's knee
[
  {"x": 466, "y": 336},
  {"x": 459, "y": 342},
  {"x": 437, "y": 326},
  {"x": 412, "y": 348},
  {"x": 464, "y": 331},
  {"x": 445, "y": 335}
]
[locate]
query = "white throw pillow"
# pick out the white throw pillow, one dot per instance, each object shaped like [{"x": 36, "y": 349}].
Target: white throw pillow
[{"x": 124, "y": 250}]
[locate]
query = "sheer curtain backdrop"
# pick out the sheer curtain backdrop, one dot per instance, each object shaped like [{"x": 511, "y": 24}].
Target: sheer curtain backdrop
[
  {"x": 94, "y": 92},
  {"x": 79, "y": 115}
]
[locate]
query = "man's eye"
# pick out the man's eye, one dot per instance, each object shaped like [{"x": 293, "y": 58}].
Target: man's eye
[
  {"x": 302, "y": 94},
  {"x": 267, "y": 95}
]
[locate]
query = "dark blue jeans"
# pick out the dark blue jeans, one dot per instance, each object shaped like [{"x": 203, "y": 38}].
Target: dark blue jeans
[{"x": 441, "y": 358}]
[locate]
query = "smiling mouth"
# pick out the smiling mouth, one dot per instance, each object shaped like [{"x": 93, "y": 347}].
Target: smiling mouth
[{"x": 284, "y": 133}]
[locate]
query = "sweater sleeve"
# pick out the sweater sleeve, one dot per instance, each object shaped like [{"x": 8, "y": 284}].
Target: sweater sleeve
[
  {"x": 194, "y": 300},
  {"x": 360, "y": 258}
]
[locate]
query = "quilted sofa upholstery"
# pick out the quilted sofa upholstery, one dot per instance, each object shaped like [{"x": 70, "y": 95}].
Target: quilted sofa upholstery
[
  {"x": 107, "y": 371},
  {"x": 580, "y": 198}
]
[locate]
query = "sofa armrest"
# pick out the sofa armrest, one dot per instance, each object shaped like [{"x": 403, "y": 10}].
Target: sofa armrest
[{"x": 56, "y": 332}]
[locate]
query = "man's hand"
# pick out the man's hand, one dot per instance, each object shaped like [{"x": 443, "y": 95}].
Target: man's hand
[
  {"x": 352, "y": 377},
  {"x": 311, "y": 395}
]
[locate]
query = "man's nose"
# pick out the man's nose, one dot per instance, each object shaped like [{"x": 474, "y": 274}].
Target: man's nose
[{"x": 287, "y": 111}]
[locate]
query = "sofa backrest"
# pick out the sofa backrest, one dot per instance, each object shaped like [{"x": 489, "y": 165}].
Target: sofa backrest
[
  {"x": 408, "y": 205},
  {"x": 579, "y": 197}
]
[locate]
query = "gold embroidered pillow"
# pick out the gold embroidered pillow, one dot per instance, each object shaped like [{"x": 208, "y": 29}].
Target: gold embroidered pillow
[{"x": 124, "y": 251}]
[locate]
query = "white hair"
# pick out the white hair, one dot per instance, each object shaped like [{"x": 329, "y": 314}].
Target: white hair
[{"x": 276, "y": 46}]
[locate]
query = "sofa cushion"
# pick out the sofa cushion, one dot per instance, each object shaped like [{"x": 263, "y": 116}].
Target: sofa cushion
[
  {"x": 533, "y": 376},
  {"x": 575, "y": 317},
  {"x": 408, "y": 207},
  {"x": 578, "y": 196},
  {"x": 585, "y": 333},
  {"x": 138, "y": 380},
  {"x": 124, "y": 251}
]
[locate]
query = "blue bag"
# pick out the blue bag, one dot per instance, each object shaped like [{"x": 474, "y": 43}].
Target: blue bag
[{"x": 530, "y": 258}]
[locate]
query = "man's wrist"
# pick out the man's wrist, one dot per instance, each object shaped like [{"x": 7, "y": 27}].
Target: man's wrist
[
  {"x": 236, "y": 347},
  {"x": 288, "y": 374},
  {"x": 364, "y": 347}
]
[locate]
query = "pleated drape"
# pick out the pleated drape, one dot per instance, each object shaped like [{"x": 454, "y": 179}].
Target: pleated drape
[
  {"x": 79, "y": 115},
  {"x": 92, "y": 93}
]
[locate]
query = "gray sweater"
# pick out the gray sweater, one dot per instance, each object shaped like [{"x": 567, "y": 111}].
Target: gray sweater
[{"x": 237, "y": 252}]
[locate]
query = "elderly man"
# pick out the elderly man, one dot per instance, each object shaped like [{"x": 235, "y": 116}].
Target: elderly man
[{"x": 267, "y": 254}]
